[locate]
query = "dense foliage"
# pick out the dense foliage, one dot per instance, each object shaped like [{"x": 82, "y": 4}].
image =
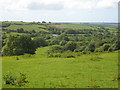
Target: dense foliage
[
  {"x": 18, "y": 38},
  {"x": 18, "y": 45}
]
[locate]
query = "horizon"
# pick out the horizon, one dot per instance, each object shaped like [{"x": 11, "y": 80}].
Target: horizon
[{"x": 59, "y": 21}]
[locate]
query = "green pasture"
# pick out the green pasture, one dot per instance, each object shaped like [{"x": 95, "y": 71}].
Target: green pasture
[
  {"x": 27, "y": 27},
  {"x": 97, "y": 70},
  {"x": 73, "y": 26}
]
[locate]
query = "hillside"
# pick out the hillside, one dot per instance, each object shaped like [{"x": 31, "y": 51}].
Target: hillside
[{"x": 59, "y": 55}]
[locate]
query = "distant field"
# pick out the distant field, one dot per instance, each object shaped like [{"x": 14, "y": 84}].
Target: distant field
[
  {"x": 103, "y": 24},
  {"x": 86, "y": 71},
  {"x": 27, "y": 27},
  {"x": 14, "y": 33},
  {"x": 77, "y": 26},
  {"x": 73, "y": 26}
]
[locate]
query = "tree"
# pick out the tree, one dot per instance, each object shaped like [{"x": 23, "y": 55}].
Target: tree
[
  {"x": 70, "y": 46},
  {"x": 21, "y": 30},
  {"x": 91, "y": 47},
  {"x": 18, "y": 45},
  {"x": 80, "y": 49},
  {"x": 55, "y": 49},
  {"x": 33, "y": 31},
  {"x": 54, "y": 41},
  {"x": 101, "y": 27},
  {"x": 71, "y": 31},
  {"x": 66, "y": 38},
  {"x": 106, "y": 47},
  {"x": 40, "y": 42},
  {"x": 43, "y": 22},
  {"x": 63, "y": 42}
]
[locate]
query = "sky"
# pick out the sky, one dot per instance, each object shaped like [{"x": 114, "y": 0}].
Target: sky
[{"x": 59, "y": 10}]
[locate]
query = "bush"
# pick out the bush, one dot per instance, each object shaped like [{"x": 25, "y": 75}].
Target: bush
[
  {"x": 68, "y": 54},
  {"x": 85, "y": 52},
  {"x": 70, "y": 46},
  {"x": 13, "y": 80},
  {"x": 91, "y": 47},
  {"x": 112, "y": 48},
  {"x": 26, "y": 55},
  {"x": 55, "y": 49},
  {"x": 106, "y": 47},
  {"x": 9, "y": 79},
  {"x": 55, "y": 55},
  {"x": 63, "y": 42},
  {"x": 40, "y": 42},
  {"x": 100, "y": 49},
  {"x": 21, "y": 80},
  {"x": 80, "y": 49}
]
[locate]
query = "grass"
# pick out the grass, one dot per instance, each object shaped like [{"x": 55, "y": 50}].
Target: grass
[
  {"x": 61, "y": 26},
  {"x": 27, "y": 27},
  {"x": 79, "y": 27},
  {"x": 73, "y": 26},
  {"x": 80, "y": 72},
  {"x": 15, "y": 33}
]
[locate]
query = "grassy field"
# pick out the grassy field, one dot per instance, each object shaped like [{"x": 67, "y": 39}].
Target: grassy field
[
  {"x": 87, "y": 71},
  {"x": 27, "y": 27},
  {"x": 73, "y": 26},
  {"x": 61, "y": 26}
]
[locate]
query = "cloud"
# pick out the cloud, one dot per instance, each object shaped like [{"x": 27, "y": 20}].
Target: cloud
[
  {"x": 90, "y": 4},
  {"x": 55, "y": 4},
  {"x": 39, "y": 6},
  {"x": 107, "y": 3}
]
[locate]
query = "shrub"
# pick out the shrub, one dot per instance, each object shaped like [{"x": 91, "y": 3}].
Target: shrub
[
  {"x": 77, "y": 53},
  {"x": 21, "y": 80},
  {"x": 85, "y": 52},
  {"x": 63, "y": 42},
  {"x": 70, "y": 46},
  {"x": 91, "y": 47},
  {"x": 9, "y": 79},
  {"x": 68, "y": 54},
  {"x": 79, "y": 49},
  {"x": 112, "y": 48},
  {"x": 100, "y": 49},
  {"x": 40, "y": 42},
  {"x": 26, "y": 55},
  {"x": 106, "y": 47},
  {"x": 55, "y": 49},
  {"x": 13, "y": 80},
  {"x": 55, "y": 55}
]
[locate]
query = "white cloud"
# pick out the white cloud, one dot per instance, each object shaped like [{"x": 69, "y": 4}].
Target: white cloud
[
  {"x": 107, "y": 3},
  {"x": 55, "y": 4},
  {"x": 43, "y": 6},
  {"x": 90, "y": 4}
]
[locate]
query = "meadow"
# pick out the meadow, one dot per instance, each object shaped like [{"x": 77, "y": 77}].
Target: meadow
[
  {"x": 27, "y": 27},
  {"x": 97, "y": 70}
]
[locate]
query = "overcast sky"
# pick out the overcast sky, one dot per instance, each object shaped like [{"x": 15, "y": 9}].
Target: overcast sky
[{"x": 59, "y": 10}]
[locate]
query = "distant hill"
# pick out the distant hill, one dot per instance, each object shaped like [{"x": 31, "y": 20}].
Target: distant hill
[{"x": 92, "y": 24}]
